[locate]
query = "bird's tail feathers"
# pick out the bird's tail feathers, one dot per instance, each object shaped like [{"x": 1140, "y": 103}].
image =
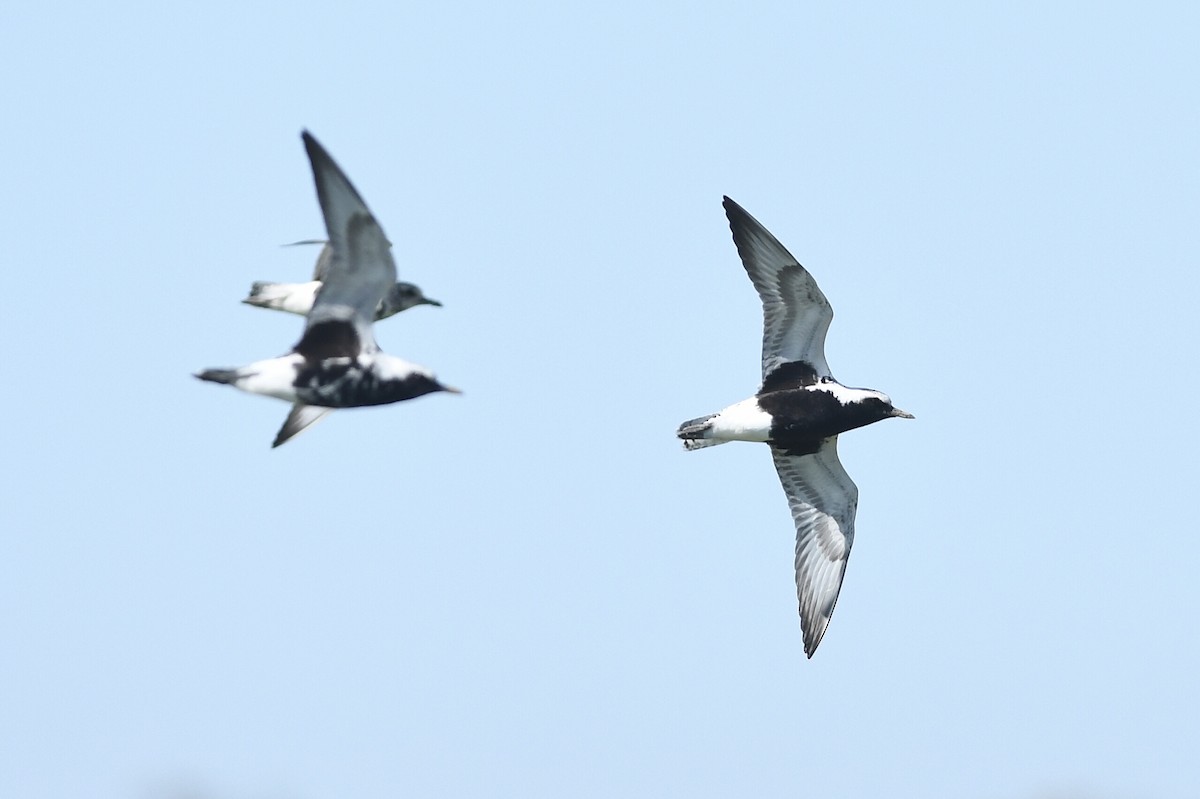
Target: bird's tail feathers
[
  {"x": 226, "y": 376},
  {"x": 696, "y": 433},
  {"x": 265, "y": 294}
]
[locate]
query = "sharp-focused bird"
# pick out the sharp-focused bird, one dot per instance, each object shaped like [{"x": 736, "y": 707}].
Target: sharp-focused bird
[
  {"x": 798, "y": 411},
  {"x": 336, "y": 363}
]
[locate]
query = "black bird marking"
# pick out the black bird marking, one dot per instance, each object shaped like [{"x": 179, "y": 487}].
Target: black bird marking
[
  {"x": 799, "y": 411},
  {"x": 334, "y": 338},
  {"x": 336, "y": 363}
]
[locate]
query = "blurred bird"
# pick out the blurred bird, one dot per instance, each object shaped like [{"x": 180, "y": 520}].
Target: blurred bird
[
  {"x": 336, "y": 363},
  {"x": 298, "y": 298}
]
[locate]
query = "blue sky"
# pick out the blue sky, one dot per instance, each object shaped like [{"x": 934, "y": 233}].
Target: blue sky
[{"x": 531, "y": 589}]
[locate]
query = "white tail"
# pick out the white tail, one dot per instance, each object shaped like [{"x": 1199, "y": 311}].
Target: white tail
[{"x": 290, "y": 297}]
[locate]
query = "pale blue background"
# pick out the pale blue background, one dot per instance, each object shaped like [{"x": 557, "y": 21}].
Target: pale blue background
[{"x": 531, "y": 590}]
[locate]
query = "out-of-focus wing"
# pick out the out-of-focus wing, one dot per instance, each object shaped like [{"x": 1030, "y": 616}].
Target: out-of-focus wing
[{"x": 360, "y": 269}]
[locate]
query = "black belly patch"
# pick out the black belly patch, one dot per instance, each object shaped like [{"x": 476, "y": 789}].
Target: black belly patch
[
  {"x": 802, "y": 418},
  {"x": 344, "y": 383}
]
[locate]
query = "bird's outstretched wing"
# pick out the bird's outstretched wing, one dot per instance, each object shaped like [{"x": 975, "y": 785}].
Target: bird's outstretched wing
[
  {"x": 301, "y": 417},
  {"x": 823, "y": 500},
  {"x": 360, "y": 269},
  {"x": 796, "y": 314}
]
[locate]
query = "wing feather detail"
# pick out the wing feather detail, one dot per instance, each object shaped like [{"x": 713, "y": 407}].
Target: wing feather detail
[
  {"x": 796, "y": 314},
  {"x": 823, "y": 500}
]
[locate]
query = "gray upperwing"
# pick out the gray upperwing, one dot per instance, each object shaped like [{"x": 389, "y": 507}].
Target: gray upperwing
[
  {"x": 823, "y": 500},
  {"x": 796, "y": 314},
  {"x": 322, "y": 263},
  {"x": 321, "y": 267},
  {"x": 360, "y": 269}
]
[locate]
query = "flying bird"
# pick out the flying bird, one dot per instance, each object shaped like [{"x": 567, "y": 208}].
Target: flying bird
[
  {"x": 336, "y": 363},
  {"x": 298, "y": 298},
  {"x": 799, "y": 411}
]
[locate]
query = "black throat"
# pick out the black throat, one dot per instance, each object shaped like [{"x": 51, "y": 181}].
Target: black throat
[{"x": 801, "y": 418}]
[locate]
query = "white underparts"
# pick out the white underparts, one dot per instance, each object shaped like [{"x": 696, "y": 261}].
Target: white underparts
[
  {"x": 274, "y": 377},
  {"x": 294, "y": 298},
  {"x": 742, "y": 421}
]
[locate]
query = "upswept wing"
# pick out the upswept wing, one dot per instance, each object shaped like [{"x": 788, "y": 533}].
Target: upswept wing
[
  {"x": 321, "y": 267},
  {"x": 360, "y": 269},
  {"x": 322, "y": 264},
  {"x": 823, "y": 500},
  {"x": 796, "y": 314}
]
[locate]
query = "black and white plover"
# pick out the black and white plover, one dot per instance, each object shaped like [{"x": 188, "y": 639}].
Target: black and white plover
[
  {"x": 799, "y": 411},
  {"x": 298, "y": 298},
  {"x": 336, "y": 363}
]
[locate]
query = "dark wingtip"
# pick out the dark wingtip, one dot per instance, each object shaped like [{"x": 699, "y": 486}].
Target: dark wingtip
[
  {"x": 287, "y": 432},
  {"x": 735, "y": 213},
  {"x": 325, "y": 170},
  {"x": 739, "y": 220},
  {"x": 810, "y": 646},
  {"x": 312, "y": 146},
  {"x": 812, "y": 637},
  {"x": 317, "y": 154}
]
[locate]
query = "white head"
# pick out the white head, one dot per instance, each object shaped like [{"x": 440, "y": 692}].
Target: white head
[{"x": 863, "y": 396}]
